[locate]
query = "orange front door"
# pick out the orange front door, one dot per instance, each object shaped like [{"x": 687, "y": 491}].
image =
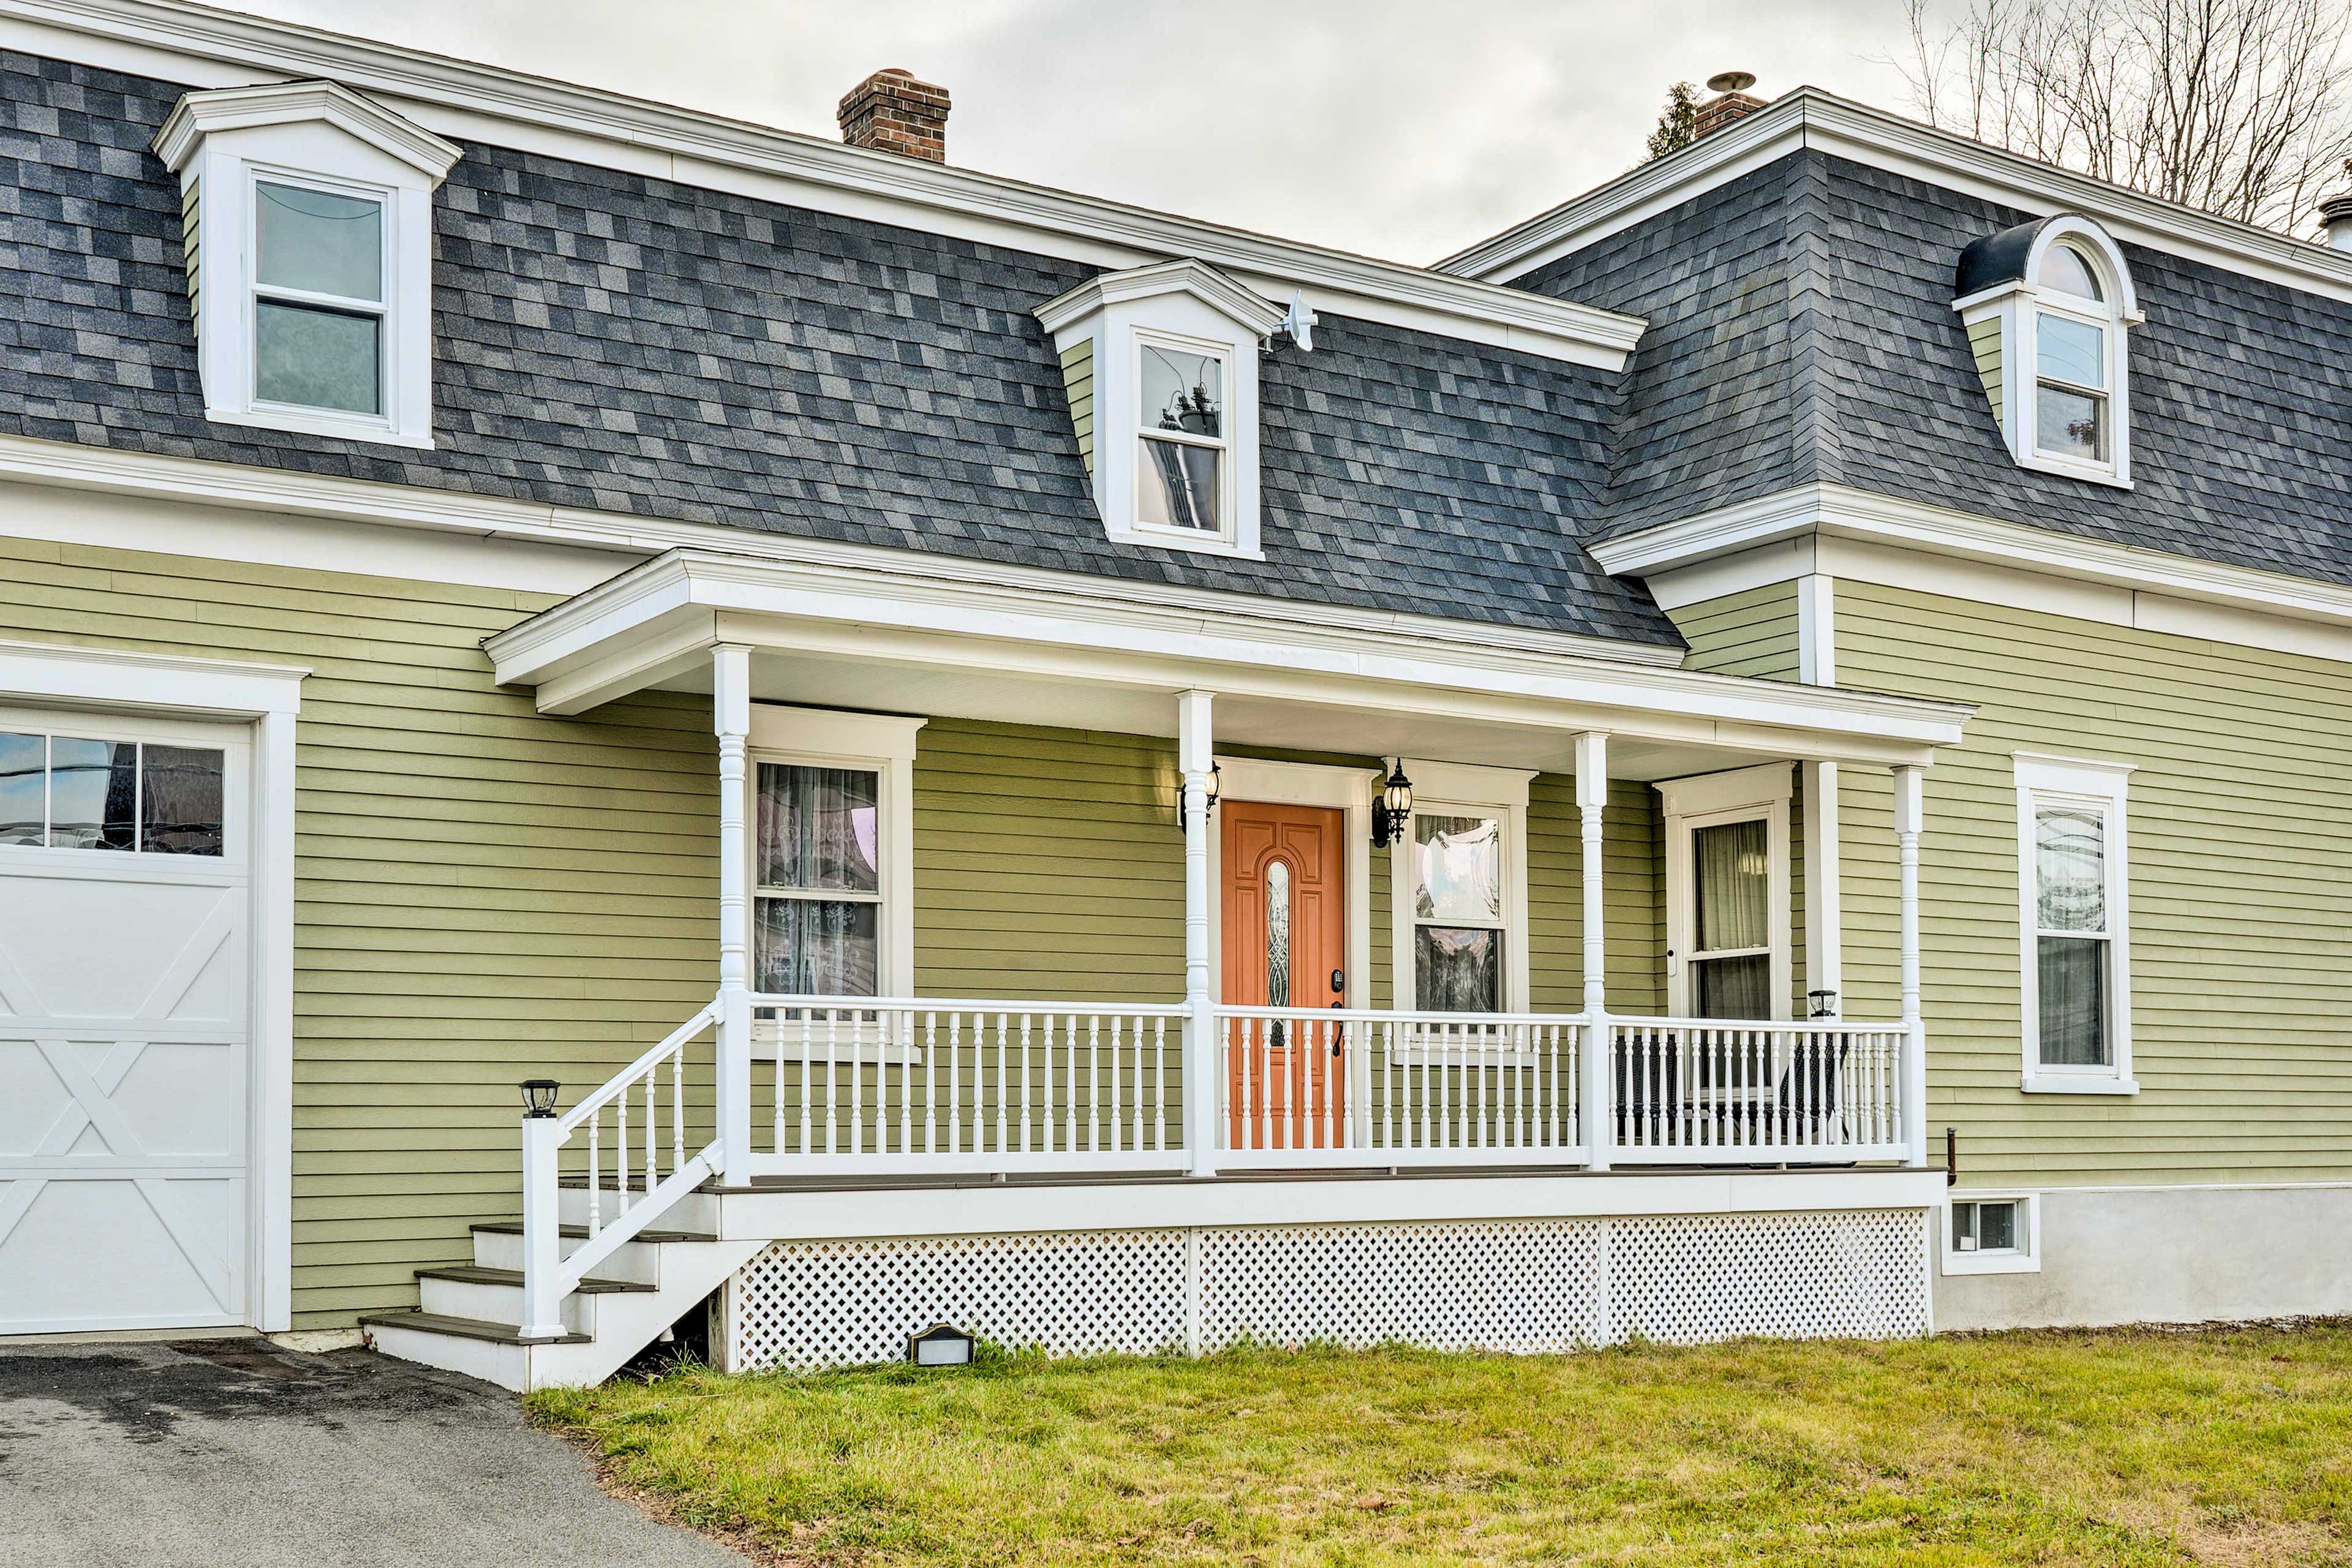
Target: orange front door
[{"x": 1286, "y": 940}]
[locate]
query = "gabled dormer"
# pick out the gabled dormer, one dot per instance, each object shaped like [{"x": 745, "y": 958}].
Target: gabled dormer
[
  {"x": 1160, "y": 364},
  {"x": 309, "y": 237}
]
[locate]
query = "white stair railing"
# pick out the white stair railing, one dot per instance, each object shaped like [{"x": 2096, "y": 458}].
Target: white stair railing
[
  {"x": 647, "y": 1164},
  {"x": 1715, "y": 1091},
  {"x": 946, "y": 1086},
  {"x": 1323, "y": 1087}
]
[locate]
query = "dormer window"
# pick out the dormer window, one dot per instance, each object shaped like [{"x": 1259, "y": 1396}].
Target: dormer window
[
  {"x": 1181, "y": 469},
  {"x": 1169, "y": 354},
  {"x": 319, "y": 305},
  {"x": 2054, "y": 296},
  {"x": 309, "y": 238}
]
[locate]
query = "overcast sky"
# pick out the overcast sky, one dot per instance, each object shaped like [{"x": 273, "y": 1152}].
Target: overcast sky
[{"x": 1399, "y": 129}]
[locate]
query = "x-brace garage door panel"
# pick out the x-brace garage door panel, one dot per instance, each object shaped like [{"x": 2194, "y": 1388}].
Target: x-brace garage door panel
[{"x": 125, "y": 1070}]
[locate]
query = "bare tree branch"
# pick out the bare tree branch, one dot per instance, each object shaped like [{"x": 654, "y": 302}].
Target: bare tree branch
[{"x": 2239, "y": 107}]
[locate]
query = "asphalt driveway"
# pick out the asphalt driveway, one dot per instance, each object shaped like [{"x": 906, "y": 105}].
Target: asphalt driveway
[{"x": 237, "y": 1453}]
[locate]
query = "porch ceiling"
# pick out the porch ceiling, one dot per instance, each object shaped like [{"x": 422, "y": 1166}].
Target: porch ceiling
[{"x": 929, "y": 644}]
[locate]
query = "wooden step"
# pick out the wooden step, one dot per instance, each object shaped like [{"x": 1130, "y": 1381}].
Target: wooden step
[
  {"x": 475, "y": 1274},
  {"x": 462, "y": 1328},
  {"x": 580, "y": 1232}
]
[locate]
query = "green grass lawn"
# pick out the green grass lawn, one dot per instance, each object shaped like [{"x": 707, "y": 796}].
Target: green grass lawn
[{"x": 2109, "y": 1448}]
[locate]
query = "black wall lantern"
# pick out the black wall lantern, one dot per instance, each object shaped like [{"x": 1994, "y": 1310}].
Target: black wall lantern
[
  {"x": 940, "y": 1345},
  {"x": 1821, "y": 1004},
  {"x": 539, "y": 1096},
  {"x": 1209, "y": 801},
  {"x": 1393, "y": 808}
]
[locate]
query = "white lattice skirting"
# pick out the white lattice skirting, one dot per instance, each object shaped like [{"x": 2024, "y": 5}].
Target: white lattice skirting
[{"x": 1519, "y": 1286}]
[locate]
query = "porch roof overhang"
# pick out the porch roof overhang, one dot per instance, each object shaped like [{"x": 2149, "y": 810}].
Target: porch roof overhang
[{"x": 1078, "y": 652}]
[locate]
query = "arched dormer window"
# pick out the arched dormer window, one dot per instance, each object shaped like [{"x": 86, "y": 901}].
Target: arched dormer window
[{"x": 2048, "y": 306}]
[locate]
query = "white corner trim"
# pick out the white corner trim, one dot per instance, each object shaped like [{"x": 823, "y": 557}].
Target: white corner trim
[
  {"x": 1811, "y": 119},
  {"x": 468, "y": 102},
  {"x": 2026, "y": 1259},
  {"x": 1346, "y": 790},
  {"x": 1838, "y": 512},
  {"x": 270, "y": 696}
]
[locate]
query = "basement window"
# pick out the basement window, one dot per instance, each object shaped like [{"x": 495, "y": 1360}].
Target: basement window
[{"x": 1993, "y": 1234}]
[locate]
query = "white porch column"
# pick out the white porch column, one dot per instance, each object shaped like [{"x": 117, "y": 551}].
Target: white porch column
[
  {"x": 1195, "y": 755},
  {"x": 1593, "y": 1092},
  {"x": 1909, "y": 809},
  {"x": 730, "y": 687},
  {"x": 1824, "y": 911}
]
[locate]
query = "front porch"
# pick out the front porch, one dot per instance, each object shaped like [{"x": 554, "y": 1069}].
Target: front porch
[{"x": 1373, "y": 996}]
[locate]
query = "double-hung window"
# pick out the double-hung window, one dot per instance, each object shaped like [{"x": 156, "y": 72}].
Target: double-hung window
[
  {"x": 2074, "y": 962},
  {"x": 2048, "y": 307},
  {"x": 1458, "y": 887},
  {"x": 1181, "y": 453},
  {"x": 818, "y": 900},
  {"x": 319, "y": 300}
]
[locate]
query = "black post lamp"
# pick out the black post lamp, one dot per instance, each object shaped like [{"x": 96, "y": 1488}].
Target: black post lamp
[
  {"x": 539, "y": 1096},
  {"x": 1393, "y": 809},
  {"x": 1208, "y": 796}
]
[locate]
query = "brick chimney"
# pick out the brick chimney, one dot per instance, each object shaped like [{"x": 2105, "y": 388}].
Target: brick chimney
[
  {"x": 892, "y": 112},
  {"x": 1731, "y": 101}
]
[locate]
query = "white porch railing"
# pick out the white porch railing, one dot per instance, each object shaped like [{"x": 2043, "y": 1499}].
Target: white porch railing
[
  {"x": 639, "y": 1189},
  {"x": 1306, "y": 1087},
  {"x": 950, "y": 1085},
  {"x": 1704, "y": 1091}
]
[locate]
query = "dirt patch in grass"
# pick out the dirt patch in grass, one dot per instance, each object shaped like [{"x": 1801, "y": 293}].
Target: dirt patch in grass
[{"x": 2120, "y": 1449}]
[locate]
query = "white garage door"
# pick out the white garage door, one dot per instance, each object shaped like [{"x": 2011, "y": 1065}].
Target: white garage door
[{"x": 125, "y": 1063}]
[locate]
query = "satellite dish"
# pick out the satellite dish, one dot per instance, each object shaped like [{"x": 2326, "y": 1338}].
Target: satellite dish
[
  {"x": 1298, "y": 323},
  {"x": 1731, "y": 81}
]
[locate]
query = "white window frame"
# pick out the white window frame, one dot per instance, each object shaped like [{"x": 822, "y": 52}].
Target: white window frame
[
  {"x": 2020, "y": 304},
  {"x": 879, "y": 744},
  {"x": 2077, "y": 783},
  {"x": 1144, "y": 430},
  {"x": 224, "y": 145},
  {"x": 1760, "y": 793},
  {"x": 1462, "y": 789},
  {"x": 2025, "y": 1259},
  {"x": 1184, "y": 304},
  {"x": 388, "y": 369}
]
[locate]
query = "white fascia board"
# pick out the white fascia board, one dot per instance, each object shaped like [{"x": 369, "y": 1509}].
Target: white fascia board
[
  {"x": 1811, "y": 119},
  {"x": 988, "y": 1208},
  {"x": 466, "y": 101},
  {"x": 1840, "y": 511},
  {"x": 200, "y": 114},
  {"x": 1206, "y": 284},
  {"x": 102, "y": 470},
  {"x": 1261, "y": 650}
]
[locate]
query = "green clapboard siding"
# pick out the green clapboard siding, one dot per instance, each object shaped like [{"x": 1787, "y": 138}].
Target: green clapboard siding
[
  {"x": 1079, "y": 382},
  {"x": 482, "y": 894},
  {"x": 2240, "y": 869},
  {"x": 1752, "y": 632}
]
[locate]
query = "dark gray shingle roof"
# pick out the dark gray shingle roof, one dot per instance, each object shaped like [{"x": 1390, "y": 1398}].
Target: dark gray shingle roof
[
  {"x": 1801, "y": 330},
  {"x": 609, "y": 340}
]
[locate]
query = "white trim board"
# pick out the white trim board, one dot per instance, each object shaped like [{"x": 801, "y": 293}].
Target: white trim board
[
  {"x": 270, "y": 696},
  {"x": 71, "y": 466},
  {"x": 1810, "y": 118},
  {"x": 201, "y": 48},
  {"x": 1839, "y": 531},
  {"x": 652, "y": 624}
]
